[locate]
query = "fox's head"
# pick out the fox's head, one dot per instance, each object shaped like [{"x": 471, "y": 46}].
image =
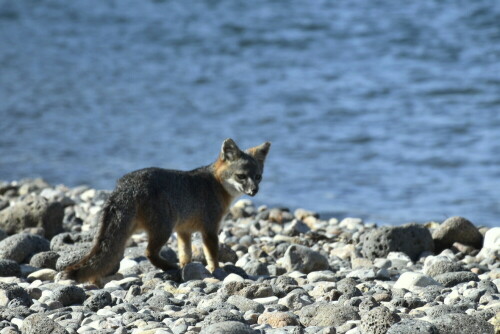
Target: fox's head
[{"x": 240, "y": 172}]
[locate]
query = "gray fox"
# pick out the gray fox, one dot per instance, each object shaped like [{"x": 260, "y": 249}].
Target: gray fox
[{"x": 162, "y": 201}]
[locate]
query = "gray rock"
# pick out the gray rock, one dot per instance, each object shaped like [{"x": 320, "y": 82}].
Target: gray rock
[
  {"x": 3, "y": 235},
  {"x": 71, "y": 256},
  {"x": 462, "y": 323},
  {"x": 457, "y": 229},
  {"x": 454, "y": 278},
  {"x": 34, "y": 211},
  {"x": 323, "y": 314},
  {"x": 256, "y": 268},
  {"x": 41, "y": 324},
  {"x": 244, "y": 304},
  {"x": 413, "y": 326},
  {"x": 304, "y": 259},
  {"x": 439, "y": 310},
  {"x": 20, "y": 312},
  {"x": 69, "y": 295},
  {"x": 64, "y": 241},
  {"x": 160, "y": 299},
  {"x": 194, "y": 271},
  {"x": 45, "y": 260},
  {"x": 283, "y": 285},
  {"x": 20, "y": 247},
  {"x": 378, "y": 320},
  {"x": 13, "y": 294},
  {"x": 221, "y": 315},
  {"x": 411, "y": 239},
  {"x": 228, "y": 327},
  {"x": 98, "y": 300},
  {"x": 9, "y": 268},
  {"x": 442, "y": 267}
]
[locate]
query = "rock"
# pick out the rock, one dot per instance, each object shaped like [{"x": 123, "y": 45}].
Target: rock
[
  {"x": 45, "y": 260},
  {"x": 69, "y": 295},
  {"x": 20, "y": 247},
  {"x": 378, "y": 320},
  {"x": 41, "y": 324},
  {"x": 491, "y": 245},
  {"x": 303, "y": 259},
  {"x": 71, "y": 256},
  {"x": 228, "y": 327},
  {"x": 98, "y": 300},
  {"x": 278, "y": 319},
  {"x": 194, "y": 271},
  {"x": 244, "y": 304},
  {"x": 454, "y": 278},
  {"x": 45, "y": 274},
  {"x": 256, "y": 268},
  {"x": 442, "y": 267},
  {"x": 10, "y": 293},
  {"x": 221, "y": 315},
  {"x": 411, "y": 239},
  {"x": 413, "y": 326},
  {"x": 65, "y": 241},
  {"x": 9, "y": 268},
  {"x": 456, "y": 229},
  {"x": 323, "y": 314},
  {"x": 34, "y": 211},
  {"x": 462, "y": 323},
  {"x": 411, "y": 280}
]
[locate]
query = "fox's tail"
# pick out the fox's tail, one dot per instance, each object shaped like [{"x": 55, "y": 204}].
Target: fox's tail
[{"x": 116, "y": 226}]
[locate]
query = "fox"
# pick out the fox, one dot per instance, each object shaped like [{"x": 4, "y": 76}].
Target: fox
[{"x": 162, "y": 201}]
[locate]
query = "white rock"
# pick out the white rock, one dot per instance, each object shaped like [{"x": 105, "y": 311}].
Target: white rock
[
  {"x": 491, "y": 244},
  {"x": 126, "y": 264},
  {"x": 266, "y": 300},
  {"x": 233, "y": 278},
  {"x": 45, "y": 274},
  {"x": 351, "y": 223},
  {"x": 411, "y": 281}
]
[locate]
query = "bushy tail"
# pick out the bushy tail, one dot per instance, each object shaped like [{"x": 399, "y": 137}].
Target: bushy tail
[{"x": 116, "y": 226}]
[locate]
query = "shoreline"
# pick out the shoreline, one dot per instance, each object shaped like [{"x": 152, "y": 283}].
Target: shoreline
[{"x": 281, "y": 272}]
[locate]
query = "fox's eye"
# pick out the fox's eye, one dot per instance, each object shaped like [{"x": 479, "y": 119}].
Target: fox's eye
[
  {"x": 258, "y": 177},
  {"x": 241, "y": 176}
]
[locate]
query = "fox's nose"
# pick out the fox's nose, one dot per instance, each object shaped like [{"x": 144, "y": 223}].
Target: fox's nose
[{"x": 254, "y": 191}]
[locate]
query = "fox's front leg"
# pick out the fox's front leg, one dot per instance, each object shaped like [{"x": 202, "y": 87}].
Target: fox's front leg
[
  {"x": 211, "y": 249},
  {"x": 184, "y": 245}
]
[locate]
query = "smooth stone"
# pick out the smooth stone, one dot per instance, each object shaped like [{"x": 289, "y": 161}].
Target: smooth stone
[{"x": 412, "y": 280}]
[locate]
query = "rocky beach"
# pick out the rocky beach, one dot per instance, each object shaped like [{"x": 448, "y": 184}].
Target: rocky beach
[{"x": 282, "y": 271}]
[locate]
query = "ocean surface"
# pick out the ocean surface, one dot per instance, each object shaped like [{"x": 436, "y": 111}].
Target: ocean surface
[{"x": 384, "y": 110}]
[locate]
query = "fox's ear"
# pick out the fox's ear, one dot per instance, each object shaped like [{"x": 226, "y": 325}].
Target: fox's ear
[
  {"x": 260, "y": 152},
  {"x": 229, "y": 150}
]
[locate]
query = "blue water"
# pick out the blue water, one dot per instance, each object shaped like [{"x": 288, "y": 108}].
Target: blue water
[{"x": 378, "y": 109}]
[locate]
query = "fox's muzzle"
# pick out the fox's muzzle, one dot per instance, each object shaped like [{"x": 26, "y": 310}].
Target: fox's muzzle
[{"x": 252, "y": 191}]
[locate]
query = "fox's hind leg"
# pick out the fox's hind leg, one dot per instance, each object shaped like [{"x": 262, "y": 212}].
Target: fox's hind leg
[{"x": 158, "y": 226}]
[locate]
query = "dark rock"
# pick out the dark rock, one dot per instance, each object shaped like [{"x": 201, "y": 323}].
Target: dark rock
[
  {"x": 462, "y": 323},
  {"x": 457, "y": 229},
  {"x": 217, "y": 316},
  {"x": 452, "y": 279},
  {"x": 378, "y": 320},
  {"x": 20, "y": 247},
  {"x": 256, "y": 268},
  {"x": 231, "y": 269},
  {"x": 282, "y": 285},
  {"x": 347, "y": 286},
  {"x": 160, "y": 299},
  {"x": 413, "y": 326},
  {"x": 323, "y": 314},
  {"x": 411, "y": 239},
  {"x": 258, "y": 290},
  {"x": 9, "y": 268},
  {"x": 98, "y": 300},
  {"x": 13, "y": 292},
  {"x": 304, "y": 259},
  {"x": 44, "y": 260},
  {"x": 228, "y": 327},
  {"x": 3, "y": 235},
  {"x": 194, "y": 271},
  {"x": 64, "y": 241},
  {"x": 41, "y": 324},
  {"x": 34, "y": 211},
  {"x": 69, "y": 295}
]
